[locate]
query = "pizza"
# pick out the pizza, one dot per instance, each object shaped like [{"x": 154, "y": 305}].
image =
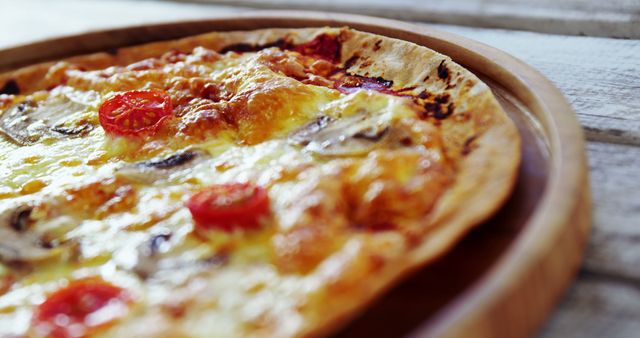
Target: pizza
[{"x": 265, "y": 183}]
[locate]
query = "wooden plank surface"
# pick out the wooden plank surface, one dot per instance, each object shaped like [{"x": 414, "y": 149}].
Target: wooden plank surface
[
  {"x": 597, "y": 306},
  {"x": 615, "y": 243},
  {"x": 614, "y": 18},
  {"x": 605, "y": 299},
  {"x": 599, "y": 76}
]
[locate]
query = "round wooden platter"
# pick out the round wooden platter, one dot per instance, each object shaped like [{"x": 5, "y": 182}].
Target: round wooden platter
[{"x": 504, "y": 277}]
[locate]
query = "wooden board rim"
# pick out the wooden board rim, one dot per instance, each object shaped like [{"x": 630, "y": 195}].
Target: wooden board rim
[{"x": 562, "y": 218}]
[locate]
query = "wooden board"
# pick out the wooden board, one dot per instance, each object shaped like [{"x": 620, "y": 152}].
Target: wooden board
[
  {"x": 500, "y": 281},
  {"x": 613, "y": 18}
]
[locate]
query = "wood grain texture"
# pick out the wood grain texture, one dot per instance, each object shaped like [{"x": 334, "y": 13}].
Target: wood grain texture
[
  {"x": 604, "y": 300},
  {"x": 615, "y": 177},
  {"x": 595, "y": 307},
  {"x": 600, "y": 77},
  {"x": 617, "y": 18}
]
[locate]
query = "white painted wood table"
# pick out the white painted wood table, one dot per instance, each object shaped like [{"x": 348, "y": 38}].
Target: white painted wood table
[{"x": 600, "y": 76}]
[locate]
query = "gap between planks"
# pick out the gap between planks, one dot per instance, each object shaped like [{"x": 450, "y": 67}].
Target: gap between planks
[
  {"x": 614, "y": 246},
  {"x": 596, "y": 306},
  {"x": 604, "y": 300},
  {"x": 600, "y": 77}
]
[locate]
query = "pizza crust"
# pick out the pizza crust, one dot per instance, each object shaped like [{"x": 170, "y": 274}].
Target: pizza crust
[{"x": 481, "y": 141}]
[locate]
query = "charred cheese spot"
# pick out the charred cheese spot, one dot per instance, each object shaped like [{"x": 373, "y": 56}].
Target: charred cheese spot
[
  {"x": 443, "y": 71},
  {"x": 10, "y": 87}
]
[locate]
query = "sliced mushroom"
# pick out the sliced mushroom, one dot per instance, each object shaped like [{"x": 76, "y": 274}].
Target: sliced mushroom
[
  {"x": 353, "y": 135},
  {"x": 153, "y": 258},
  {"x": 148, "y": 255},
  {"x": 17, "y": 242},
  {"x": 27, "y": 122},
  {"x": 18, "y": 219},
  {"x": 172, "y": 161},
  {"x": 156, "y": 169}
]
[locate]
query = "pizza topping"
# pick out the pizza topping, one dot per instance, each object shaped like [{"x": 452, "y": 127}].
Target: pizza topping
[
  {"x": 317, "y": 228},
  {"x": 19, "y": 218},
  {"x": 18, "y": 243},
  {"x": 6, "y": 280},
  {"x": 171, "y": 56},
  {"x": 323, "y": 71},
  {"x": 158, "y": 258},
  {"x": 10, "y": 87},
  {"x": 28, "y": 122},
  {"x": 146, "y": 64},
  {"x": 17, "y": 124},
  {"x": 82, "y": 129},
  {"x": 148, "y": 253},
  {"x": 243, "y": 47},
  {"x": 157, "y": 242},
  {"x": 351, "y": 83},
  {"x": 97, "y": 200},
  {"x": 157, "y": 169},
  {"x": 78, "y": 309},
  {"x": 135, "y": 112},
  {"x": 229, "y": 206},
  {"x": 352, "y": 135},
  {"x": 323, "y": 46},
  {"x": 5, "y": 101},
  {"x": 389, "y": 187},
  {"x": 304, "y": 135},
  {"x": 171, "y": 161},
  {"x": 283, "y": 62},
  {"x": 174, "y": 56}
]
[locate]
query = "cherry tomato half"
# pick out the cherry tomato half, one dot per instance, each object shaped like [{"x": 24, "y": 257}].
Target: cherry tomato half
[
  {"x": 229, "y": 206},
  {"x": 67, "y": 313},
  {"x": 135, "y": 112}
]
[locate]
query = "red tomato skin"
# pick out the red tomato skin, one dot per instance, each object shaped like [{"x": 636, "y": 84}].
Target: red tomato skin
[
  {"x": 63, "y": 313},
  {"x": 132, "y": 107},
  {"x": 324, "y": 46},
  {"x": 242, "y": 213}
]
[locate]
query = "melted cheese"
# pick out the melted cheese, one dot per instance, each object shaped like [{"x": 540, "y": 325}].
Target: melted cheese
[{"x": 264, "y": 283}]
